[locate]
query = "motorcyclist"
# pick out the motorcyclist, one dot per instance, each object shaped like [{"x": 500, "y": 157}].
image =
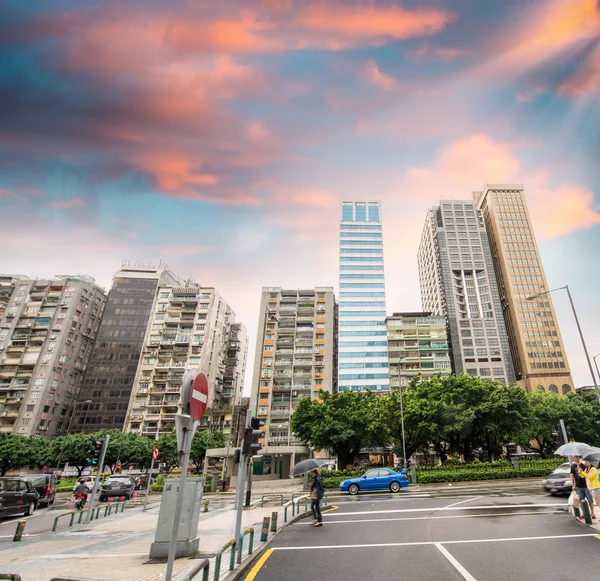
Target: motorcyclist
[{"x": 81, "y": 489}]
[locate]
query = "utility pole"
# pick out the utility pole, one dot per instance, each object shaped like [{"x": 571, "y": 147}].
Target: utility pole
[{"x": 97, "y": 481}]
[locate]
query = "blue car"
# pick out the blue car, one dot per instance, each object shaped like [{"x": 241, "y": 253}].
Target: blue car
[{"x": 376, "y": 479}]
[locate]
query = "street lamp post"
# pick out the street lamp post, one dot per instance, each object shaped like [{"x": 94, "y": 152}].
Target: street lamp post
[
  {"x": 587, "y": 355},
  {"x": 596, "y": 364}
]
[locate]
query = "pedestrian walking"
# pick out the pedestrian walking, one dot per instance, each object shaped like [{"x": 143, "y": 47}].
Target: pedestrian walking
[
  {"x": 317, "y": 490},
  {"x": 580, "y": 484},
  {"x": 590, "y": 473}
]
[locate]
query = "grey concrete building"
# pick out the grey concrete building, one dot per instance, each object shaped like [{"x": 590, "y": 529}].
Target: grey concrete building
[
  {"x": 47, "y": 333},
  {"x": 295, "y": 358},
  {"x": 457, "y": 280}
]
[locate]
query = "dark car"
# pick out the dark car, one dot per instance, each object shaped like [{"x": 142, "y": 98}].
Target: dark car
[
  {"x": 117, "y": 485},
  {"x": 559, "y": 480},
  {"x": 45, "y": 486},
  {"x": 17, "y": 496}
]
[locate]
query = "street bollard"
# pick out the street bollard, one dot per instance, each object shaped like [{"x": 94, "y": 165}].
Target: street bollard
[
  {"x": 264, "y": 533},
  {"x": 586, "y": 513},
  {"x": 251, "y": 541},
  {"x": 274, "y": 521},
  {"x": 206, "y": 505},
  {"x": 19, "y": 532}
]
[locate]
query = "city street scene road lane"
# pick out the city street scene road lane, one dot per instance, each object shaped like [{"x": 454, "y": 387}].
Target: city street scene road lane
[{"x": 470, "y": 538}]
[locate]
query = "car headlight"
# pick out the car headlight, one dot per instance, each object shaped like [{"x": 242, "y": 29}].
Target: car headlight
[
  {"x": 567, "y": 482},
  {"x": 344, "y": 483}
]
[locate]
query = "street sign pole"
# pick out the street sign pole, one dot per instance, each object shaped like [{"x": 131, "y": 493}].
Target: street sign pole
[
  {"x": 239, "y": 487},
  {"x": 97, "y": 481},
  {"x": 149, "y": 484}
]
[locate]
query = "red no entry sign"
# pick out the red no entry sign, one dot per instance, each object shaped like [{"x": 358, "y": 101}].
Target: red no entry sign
[
  {"x": 155, "y": 454},
  {"x": 199, "y": 397}
]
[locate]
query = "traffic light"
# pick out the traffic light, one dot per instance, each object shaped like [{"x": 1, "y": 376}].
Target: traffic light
[
  {"x": 236, "y": 457},
  {"x": 94, "y": 452},
  {"x": 251, "y": 445},
  {"x": 558, "y": 437}
]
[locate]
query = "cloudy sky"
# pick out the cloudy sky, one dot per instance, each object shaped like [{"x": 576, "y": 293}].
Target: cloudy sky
[{"x": 220, "y": 136}]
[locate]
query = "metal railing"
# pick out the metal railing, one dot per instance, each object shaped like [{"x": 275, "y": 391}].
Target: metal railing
[
  {"x": 94, "y": 515},
  {"x": 269, "y": 497},
  {"x": 203, "y": 567}
]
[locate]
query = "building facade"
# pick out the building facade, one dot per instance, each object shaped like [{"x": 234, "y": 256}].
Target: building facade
[
  {"x": 362, "y": 339},
  {"x": 47, "y": 333},
  {"x": 106, "y": 389},
  {"x": 417, "y": 346},
  {"x": 536, "y": 345},
  {"x": 189, "y": 327},
  {"x": 295, "y": 358},
  {"x": 457, "y": 280}
]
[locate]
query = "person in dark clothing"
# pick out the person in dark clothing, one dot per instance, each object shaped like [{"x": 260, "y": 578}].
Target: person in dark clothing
[
  {"x": 580, "y": 485},
  {"x": 317, "y": 490},
  {"x": 81, "y": 489}
]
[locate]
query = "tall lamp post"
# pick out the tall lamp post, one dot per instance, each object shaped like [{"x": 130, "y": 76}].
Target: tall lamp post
[
  {"x": 587, "y": 355},
  {"x": 596, "y": 364}
]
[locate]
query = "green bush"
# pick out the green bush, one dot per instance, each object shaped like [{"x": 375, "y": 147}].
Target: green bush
[{"x": 65, "y": 484}]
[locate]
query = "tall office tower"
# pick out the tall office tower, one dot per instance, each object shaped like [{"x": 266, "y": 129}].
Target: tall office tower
[
  {"x": 104, "y": 395},
  {"x": 417, "y": 345},
  {"x": 47, "y": 333},
  {"x": 457, "y": 281},
  {"x": 295, "y": 358},
  {"x": 536, "y": 346},
  {"x": 188, "y": 328},
  {"x": 363, "y": 356}
]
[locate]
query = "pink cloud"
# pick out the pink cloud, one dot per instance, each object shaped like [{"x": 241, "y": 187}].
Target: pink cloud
[
  {"x": 586, "y": 81},
  {"x": 67, "y": 204},
  {"x": 436, "y": 53},
  {"x": 377, "y": 78}
]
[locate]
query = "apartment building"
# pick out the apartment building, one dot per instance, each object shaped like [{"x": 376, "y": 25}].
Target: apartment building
[
  {"x": 47, "y": 333},
  {"x": 189, "y": 327},
  {"x": 536, "y": 345},
  {"x": 106, "y": 389},
  {"x": 457, "y": 280},
  {"x": 363, "y": 356},
  {"x": 295, "y": 358},
  {"x": 7, "y": 286},
  {"x": 417, "y": 346}
]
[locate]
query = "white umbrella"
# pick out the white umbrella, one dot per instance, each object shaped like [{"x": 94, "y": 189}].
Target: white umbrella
[{"x": 576, "y": 449}]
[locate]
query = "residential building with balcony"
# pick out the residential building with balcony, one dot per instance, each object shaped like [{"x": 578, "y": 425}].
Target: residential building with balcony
[
  {"x": 47, "y": 333},
  {"x": 189, "y": 327},
  {"x": 106, "y": 389},
  {"x": 457, "y": 280},
  {"x": 417, "y": 346},
  {"x": 536, "y": 346},
  {"x": 295, "y": 358}
]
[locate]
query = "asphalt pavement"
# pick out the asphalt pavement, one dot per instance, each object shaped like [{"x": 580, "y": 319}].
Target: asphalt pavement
[{"x": 422, "y": 537}]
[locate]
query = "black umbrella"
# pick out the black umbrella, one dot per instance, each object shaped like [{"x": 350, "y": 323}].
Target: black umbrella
[{"x": 307, "y": 466}]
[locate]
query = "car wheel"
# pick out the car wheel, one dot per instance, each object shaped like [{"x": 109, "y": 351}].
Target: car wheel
[
  {"x": 395, "y": 487},
  {"x": 51, "y": 502},
  {"x": 30, "y": 508},
  {"x": 353, "y": 489}
]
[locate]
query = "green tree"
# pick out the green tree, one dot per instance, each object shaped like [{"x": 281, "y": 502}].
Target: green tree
[
  {"x": 204, "y": 440},
  {"x": 342, "y": 423},
  {"x": 168, "y": 452},
  {"x": 137, "y": 450},
  {"x": 17, "y": 452},
  {"x": 73, "y": 449}
]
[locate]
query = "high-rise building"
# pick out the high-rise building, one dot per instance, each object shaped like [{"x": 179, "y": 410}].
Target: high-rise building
[
  {"x": 190, "y": 327},
  {"x": 536, "y": 345},
  {"x": 47, "y": 333},
  {"x": 295, "y": 358},
  {"x": 106, "y": 389},
  {"x": 417, "y": 345},
  {"x": 456, "y": 275},
  {"x": 7, "y": 286},
  {"x": 362, "y": 344}
]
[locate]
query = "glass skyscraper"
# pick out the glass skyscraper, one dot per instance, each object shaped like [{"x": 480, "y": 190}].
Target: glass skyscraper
[{"x": 362, "y": 342}]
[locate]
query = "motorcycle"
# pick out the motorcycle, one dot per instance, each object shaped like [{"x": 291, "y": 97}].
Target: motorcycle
[{"x": 79, "y": 501}]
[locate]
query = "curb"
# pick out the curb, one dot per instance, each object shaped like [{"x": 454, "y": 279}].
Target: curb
[{"x": 237, "y": 575}]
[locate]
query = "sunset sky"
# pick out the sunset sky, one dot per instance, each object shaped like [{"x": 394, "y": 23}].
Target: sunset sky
[{"x": 220, "y": 136}]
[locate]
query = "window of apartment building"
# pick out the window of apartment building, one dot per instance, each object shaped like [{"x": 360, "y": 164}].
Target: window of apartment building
[
  {"x": 479, "y": 342},
  {"x": 485, "y": 372},
  {"x": 467, "y": 353},
  {"x": 471, "y": 371},
  {"x": 468, "y": 342},
  {"x": 465, "y": 332}
]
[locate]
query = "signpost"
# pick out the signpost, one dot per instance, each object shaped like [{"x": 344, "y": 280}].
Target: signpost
[
  {"x": 195, "y": 398},
  {"x": 154, "y": 458}
]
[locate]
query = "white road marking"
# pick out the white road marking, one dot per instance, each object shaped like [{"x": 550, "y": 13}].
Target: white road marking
[
  {"x": 425, "y": 543},
  {"x": 430, "y": 509},
  {"x": 380, "y": 520},
  {"x": 199, "y": 395},
  {"x": 455, "y": 563},
  {"x": 462, "y": 501},
  {"x": 17, "y": 519}
]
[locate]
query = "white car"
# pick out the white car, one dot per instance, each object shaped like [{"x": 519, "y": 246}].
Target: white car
[{"x": 89, "y": 482}]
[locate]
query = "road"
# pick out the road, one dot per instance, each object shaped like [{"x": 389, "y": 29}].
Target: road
[{"x": 473, "y": 537}]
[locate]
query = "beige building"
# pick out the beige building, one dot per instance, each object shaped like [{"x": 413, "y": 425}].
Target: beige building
[
  {"x": 47, "y": 332},
  {"x": 295, "y": 358},
  {"x": 417, "y": 345},
  {"x": 536, "y": 346},
  {"x": 190, "y": 327}
]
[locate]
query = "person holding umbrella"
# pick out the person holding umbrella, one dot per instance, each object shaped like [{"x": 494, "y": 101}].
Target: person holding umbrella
[
  {"x": 580, "y": 484},
  {"x": 591, "y": 474},
  {"x": 317, "y": 490}
]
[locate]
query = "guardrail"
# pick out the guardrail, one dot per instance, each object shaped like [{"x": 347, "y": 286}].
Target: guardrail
[
  {"x": 204, "y": 566},
  {"x": 248, "y": 531},
  {"x": 232, "y": 543},
  {"x": 270, "y": 496},
  {"x": 94, "y": 515}
]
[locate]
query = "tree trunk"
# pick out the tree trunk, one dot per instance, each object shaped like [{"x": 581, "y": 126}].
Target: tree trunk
[{"x": 80, "y": 469}]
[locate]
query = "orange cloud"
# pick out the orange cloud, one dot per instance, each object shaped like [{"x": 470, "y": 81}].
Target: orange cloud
[
  {"x": 585, "y": 81},
  {"x": 377, "y": 78},
  {"x": 66, "y": 204}
]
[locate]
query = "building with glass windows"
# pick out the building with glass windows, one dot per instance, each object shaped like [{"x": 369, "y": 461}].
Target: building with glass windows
[
  {"x": 362, "y": 336},
  {"x": 457, "y": 280},
  {"x": 536, "y": 345}
]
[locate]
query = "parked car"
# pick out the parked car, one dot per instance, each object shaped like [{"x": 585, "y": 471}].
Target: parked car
[
  {"x": 376, "y": 479},
  {"x": 559, "y": 480},
  {"x": 45, "y": 486},
  {"x": 17, "y": 496},
  {"x": 117, "y": 485},
  {"x": 89, "y": 482}
]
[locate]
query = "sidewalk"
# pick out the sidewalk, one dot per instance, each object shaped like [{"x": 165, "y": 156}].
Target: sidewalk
[{"x": 118, "y": 547}]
